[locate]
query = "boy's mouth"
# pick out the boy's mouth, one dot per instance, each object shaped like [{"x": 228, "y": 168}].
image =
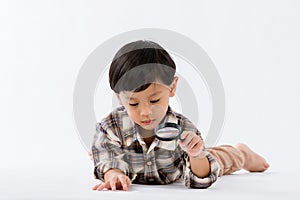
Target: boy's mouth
[{"x": 147, "y": 122}]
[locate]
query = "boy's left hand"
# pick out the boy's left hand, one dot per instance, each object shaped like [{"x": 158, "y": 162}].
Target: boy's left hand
[{"x": 191, "y": 143}]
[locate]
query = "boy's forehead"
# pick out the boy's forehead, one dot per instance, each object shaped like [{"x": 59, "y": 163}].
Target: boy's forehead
[{"x": 152, "y": 90}]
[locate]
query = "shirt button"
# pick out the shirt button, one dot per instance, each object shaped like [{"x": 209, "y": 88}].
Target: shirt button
[{"x": 149, "y": 163}]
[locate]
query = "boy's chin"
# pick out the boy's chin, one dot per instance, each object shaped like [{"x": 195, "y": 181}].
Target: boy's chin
[{"x": 148, "y": 128}]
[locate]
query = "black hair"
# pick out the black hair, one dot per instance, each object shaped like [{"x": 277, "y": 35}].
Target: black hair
[{"x": 139, "y": 64}]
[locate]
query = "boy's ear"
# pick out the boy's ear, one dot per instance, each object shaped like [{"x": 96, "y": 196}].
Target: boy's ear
[
  {"x": 173, "y": 87},
  {"x": 119, "y": 99}
]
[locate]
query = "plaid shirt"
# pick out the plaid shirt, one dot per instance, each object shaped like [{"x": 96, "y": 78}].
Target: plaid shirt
[{"x": 117, "y": 144}]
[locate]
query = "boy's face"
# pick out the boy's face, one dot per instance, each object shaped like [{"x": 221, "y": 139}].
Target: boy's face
[{"x": 148, "y": 107}]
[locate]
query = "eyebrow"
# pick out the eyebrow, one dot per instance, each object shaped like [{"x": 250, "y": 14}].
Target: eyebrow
[{"x": 153, "y": 94}]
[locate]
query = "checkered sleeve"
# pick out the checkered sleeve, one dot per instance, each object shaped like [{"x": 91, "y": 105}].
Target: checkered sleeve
[
  {"x": 107, "y": 151},
  {"x": 192, "y": 181}
]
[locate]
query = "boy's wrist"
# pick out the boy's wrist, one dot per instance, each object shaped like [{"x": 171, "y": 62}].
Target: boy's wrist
[{"x": 200, "y": 156}]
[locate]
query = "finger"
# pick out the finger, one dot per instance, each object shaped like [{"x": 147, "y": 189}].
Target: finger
[
  {"x": 103, "y": 185},
  {"x": 128, "y": 181},
  {"x": 113, "y": 184},
  {"x": 196, "y": 150},
  {"x": 96, "y": 186},
  {"x": 188, "y": 139},
  {"x": 199, "y": 146},
  {"x": 193, "y": 143},
  {"x": 184, "y": 134},
  {"x": 123, "y": 181}
]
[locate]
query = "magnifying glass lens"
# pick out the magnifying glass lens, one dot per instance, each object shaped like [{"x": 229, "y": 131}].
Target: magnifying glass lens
[{"x": 167, "y": 132}]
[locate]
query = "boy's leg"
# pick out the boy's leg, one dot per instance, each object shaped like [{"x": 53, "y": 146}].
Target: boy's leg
[
  {"x": 233, "y": 159},
  {"x": 229, "y": 158}
]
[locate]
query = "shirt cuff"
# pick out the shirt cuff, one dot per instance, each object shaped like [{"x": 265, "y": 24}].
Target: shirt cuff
[{"x": 193, "y": 181}]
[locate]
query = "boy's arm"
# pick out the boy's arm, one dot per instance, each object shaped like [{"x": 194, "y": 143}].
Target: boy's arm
[
  {"x": 201, "y": 168},
  {"x": 192, "y": 178},
  {"x": 107, "y": 153},
  {"x": 194, "y": 146}
]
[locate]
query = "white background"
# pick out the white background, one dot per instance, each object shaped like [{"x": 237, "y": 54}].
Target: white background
[{"x": 255, "y": 46}]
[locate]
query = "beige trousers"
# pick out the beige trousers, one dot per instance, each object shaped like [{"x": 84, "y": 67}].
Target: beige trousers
[{"x": 229, "y": 158}]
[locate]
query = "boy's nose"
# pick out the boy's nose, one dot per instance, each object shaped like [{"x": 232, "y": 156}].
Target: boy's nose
[{"x": 146, "y": 110}]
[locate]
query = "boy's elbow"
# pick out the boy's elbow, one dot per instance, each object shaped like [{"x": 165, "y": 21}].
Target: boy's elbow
[{"x": 200, "y": 183}]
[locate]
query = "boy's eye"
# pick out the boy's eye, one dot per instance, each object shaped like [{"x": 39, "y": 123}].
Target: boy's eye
[
  {"x": 155, "y": 101},
  {"x": 133, "y": 104}
]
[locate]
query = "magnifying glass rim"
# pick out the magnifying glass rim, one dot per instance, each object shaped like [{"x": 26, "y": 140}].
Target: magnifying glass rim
[{"x": 168, "y": 125}]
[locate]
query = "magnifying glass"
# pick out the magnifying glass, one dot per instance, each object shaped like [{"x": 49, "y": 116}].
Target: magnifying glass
[{"x": 168, "y": 131}]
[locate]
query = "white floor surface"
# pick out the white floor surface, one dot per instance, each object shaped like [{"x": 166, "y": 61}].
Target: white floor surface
[{"x": 268, "y": 185}]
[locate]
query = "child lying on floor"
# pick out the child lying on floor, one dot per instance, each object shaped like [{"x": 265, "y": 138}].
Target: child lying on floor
[{"x": 125, "y": 149}]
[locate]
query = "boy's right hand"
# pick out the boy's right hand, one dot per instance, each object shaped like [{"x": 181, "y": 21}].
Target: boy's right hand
[{"x": 114, "y": 180}]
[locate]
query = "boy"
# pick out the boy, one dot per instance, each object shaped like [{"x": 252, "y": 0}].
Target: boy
[{"x": 125, "y": 148}]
